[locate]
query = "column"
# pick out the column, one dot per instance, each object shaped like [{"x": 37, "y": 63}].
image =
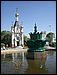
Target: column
[
  {"x": 12, "y": 39},
  {"x": 15, "y": 42},
  {"x": 22, "y": 40}
]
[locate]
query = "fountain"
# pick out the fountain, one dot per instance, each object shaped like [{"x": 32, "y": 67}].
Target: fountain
[{"x": 37, "y": 41}]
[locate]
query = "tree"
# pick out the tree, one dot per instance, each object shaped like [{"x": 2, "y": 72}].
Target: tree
[
  {"x": 50, "y": 37},
  {"x": 6, "y": 37},
  {"x": 25, "y": 39}
]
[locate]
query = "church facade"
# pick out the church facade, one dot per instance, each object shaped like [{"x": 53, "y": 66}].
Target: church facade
[{"x": 17, "y": 32}]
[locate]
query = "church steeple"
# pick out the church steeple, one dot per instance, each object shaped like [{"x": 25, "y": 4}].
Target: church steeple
[
  {"x": 17, "y": 14},
  {"x": 17, "y": 32}
]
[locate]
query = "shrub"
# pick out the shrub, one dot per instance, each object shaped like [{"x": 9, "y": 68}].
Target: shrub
[
  {"x": 2, "y": 44},
  {"x": 53, "y": 44}
]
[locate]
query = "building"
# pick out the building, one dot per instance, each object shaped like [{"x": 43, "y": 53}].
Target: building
[{"x": 17, "y": 32}]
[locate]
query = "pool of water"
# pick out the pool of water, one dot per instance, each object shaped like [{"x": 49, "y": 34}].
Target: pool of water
[{"x": 33, "y": 63}]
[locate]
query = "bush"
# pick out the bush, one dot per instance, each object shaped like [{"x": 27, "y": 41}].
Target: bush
[
  {"x": 2, "y": 44},
  {"x": 53, "y": 44}
]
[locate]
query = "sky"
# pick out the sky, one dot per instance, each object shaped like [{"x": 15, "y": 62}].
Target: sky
[{"x": 43, "y": 13}]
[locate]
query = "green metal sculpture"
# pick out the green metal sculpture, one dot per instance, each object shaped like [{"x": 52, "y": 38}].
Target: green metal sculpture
[{"x": 36, "y": 43}]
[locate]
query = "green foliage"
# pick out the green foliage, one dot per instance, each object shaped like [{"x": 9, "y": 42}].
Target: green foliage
[
  {"x": 25, "y": 39},
  {"x": 50, "y": 37},
  {"x": 6, "y": 37},
  {"x": 2, "y": 44},
  {"x": 53, "y": 44}
]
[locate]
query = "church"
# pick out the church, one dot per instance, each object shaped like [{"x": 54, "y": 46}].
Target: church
[{"x": 17, "y": 32}]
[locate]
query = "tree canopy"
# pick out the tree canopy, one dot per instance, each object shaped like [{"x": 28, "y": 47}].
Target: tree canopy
[
  {"x": 25, "y": 39},
  {"x": 50, "y": 37},
  {"x": 6, "y": 37}
]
